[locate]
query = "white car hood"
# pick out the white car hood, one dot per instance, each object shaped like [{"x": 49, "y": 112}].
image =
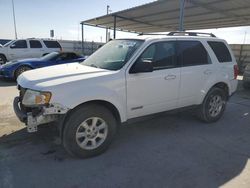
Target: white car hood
[{"x": 44, "y": 78}]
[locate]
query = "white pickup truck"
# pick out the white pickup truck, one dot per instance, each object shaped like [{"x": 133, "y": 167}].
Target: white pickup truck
[{"x": 126, "y": 79}]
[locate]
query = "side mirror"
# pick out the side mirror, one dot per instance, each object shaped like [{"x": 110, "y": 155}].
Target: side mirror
[
  {"x": 142, "y": 66},
  {"x": 12, "y": 46}
]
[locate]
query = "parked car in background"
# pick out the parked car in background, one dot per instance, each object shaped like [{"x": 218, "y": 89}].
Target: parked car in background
[
  {"x": 126, "y": 79},
  {"x": 27, "y": 48},
  {"x": 246, "y": 77},
  {"x": 13, "y": 69}
]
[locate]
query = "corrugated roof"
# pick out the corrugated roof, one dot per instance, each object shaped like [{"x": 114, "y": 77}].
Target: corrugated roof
[{"x": 163, "y": 16}]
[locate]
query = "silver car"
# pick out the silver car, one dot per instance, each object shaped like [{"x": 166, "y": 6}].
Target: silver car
[{"x": 246, "y": 77}]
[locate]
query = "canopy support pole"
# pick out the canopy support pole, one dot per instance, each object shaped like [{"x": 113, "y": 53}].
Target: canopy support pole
[
  {"x": 82, "y": 38},
  {"x": 114, "y": 26},
  {"x": 181, "y": 19}
]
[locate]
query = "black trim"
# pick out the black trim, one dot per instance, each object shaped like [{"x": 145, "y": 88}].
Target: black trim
[{"x": 19, "y": 113}]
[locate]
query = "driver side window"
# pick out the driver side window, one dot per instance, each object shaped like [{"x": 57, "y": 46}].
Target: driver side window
[
  {"x": 19, "y": 44},
  {"x": 161, "y": 55}
]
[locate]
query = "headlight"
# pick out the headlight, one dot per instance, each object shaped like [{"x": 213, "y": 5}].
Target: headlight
[{"x": 33, "y": 98}]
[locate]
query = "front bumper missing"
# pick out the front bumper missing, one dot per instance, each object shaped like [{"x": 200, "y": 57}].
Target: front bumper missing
[{"x": 45, "y": 115}]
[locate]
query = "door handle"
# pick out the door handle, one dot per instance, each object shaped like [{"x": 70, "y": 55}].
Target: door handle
[
  {"x": 207, "y": 72},
  {"x": 170, "y": 77}
]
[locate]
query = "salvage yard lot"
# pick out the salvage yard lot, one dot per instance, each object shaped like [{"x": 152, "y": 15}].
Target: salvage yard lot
[{"x": 174, "y": 150}]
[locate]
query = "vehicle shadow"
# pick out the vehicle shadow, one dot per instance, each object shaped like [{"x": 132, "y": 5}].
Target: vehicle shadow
[
  {"x": 4, "y": 82},
  {"x": 174, "y": 150}
]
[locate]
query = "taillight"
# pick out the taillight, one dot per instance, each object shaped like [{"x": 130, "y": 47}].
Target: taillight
[{"x": 236, "y": 71}]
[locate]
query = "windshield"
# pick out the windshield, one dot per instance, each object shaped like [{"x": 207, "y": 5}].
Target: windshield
[
  {"x": 50, "y": 56},
  {"x": 113, "y": 55},
  {"x": 8, "y": 43}
]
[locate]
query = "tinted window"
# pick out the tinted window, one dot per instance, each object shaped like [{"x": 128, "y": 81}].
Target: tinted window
[
  {"x": 35, "y": 44},
  {"x": 50, "y": 57},
  {"x": 162, "y": 55},
  {"x": 221, "y": 51},
  {"x": 73, "y": 56},
  {"x": 52, "y": 44},
  {"x": 67, "y": 56},
  {"x": 192, "y": 53},
  {"x": 19, "y": 44}
]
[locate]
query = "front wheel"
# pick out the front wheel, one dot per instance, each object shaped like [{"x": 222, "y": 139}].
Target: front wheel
[
  {"x": 213, "y": 105},
  {"x": 3, "y": 59},
  {"x": 89, "y": 131}
]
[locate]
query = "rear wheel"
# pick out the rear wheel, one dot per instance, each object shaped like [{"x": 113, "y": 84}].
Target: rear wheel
[
  {"x": 89, "y": 131},
  {"x": 20, "y": 70},
  {"x": 2, "y": 59},
  {"x": 213, "y": 105}
]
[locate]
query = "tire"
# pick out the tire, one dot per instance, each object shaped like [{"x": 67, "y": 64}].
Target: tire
[
  {"x": 20, "y": 70},
  {"x": 3, "y": 59},
  {"x": 213, "y": 105},
  {"x": 91, "y": 140}
]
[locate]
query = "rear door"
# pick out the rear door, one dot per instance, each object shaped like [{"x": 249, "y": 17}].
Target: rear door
[
  {"x": 196, "y": 71},
  {"x": 36, "y": 49}
]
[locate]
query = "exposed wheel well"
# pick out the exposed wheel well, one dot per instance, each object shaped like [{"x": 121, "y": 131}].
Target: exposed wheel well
[
  {"x": 21, "y": 66},
  {"x": 106, "y": 104},
  {"x": 223, "y": 86}
]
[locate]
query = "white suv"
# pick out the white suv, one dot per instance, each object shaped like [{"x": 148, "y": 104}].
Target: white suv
[
  {"x": 126, "y": 79},
  {"x": 27, "y": 48}
]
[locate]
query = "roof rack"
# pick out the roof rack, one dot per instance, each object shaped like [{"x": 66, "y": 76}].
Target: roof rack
[
  {"x": 173, "y": 33},
  {"x": 180, "y": 33}
]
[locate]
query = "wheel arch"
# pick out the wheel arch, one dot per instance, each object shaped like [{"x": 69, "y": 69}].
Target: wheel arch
[
  {"x": 113, "y": 109},
  {"x": 221, "y": 85},
  {"x": 22, "y": 65},
  {"x": 4, "y": 56}
]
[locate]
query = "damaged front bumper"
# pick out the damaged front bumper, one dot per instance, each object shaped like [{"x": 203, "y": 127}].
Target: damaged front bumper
[{"x": 35, "y": 116}]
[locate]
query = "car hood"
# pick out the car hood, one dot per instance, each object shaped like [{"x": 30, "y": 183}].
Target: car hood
[{"x": 46, "y": 78}]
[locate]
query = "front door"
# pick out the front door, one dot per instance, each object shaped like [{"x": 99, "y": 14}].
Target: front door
[
  {"x": 156, "y": 91},
  {"x": 18, "y": 50}
]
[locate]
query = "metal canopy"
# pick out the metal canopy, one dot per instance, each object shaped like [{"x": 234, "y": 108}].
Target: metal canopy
[{"x": 166, "y": 15}]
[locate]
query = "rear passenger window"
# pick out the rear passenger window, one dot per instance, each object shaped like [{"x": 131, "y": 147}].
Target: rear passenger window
[
  {"x": 191, "y": 53},
  {"x": 35, "y": 44},
  {"x": 52, "y": 44},
  {"x": 221, "y": 51}
]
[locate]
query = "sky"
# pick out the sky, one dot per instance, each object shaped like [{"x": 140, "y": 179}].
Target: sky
[{"x": 35, "y": 18}]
